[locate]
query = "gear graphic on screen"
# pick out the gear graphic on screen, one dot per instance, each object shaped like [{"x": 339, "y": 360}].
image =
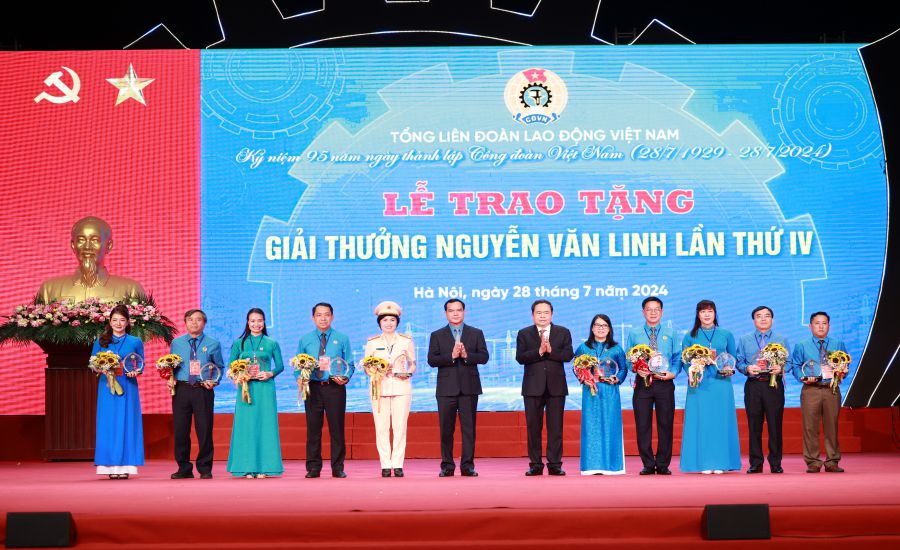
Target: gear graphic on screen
[
  {"x": 824, "y": 103},
  {"x": 241, "y": 90}
]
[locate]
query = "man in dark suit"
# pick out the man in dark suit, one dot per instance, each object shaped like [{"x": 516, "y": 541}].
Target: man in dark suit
[
  {"x": 456, "y": 351},
  {"x": 542, "y": 349}
]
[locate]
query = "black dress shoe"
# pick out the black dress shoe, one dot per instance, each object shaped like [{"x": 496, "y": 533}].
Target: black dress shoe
[
  {"x": 663, "y": 471},
  {"x": 812, "y": 469},
  {"x": 206, "y": 475},
  {"x": 446, "y": 473},
  {"x": 556, "y": 471},
  {"x": 834, "y": 469},
  {"x": 182, "y": 475},
  {"x": 468, "y": 473},
  {"x": 312, "y": 474},
  {"x": 777, "y": 470},
  {"x": 398, "y": 472},
  {"x": 534, "y": 471},
  {"x": 339, "y": 474},
  {"x": 648, "y": 471},
  {"x": 755, "y": 470},
  {"x": 385, "y": 472}
]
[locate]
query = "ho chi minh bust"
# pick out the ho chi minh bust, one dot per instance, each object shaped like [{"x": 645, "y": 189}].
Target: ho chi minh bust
[{"x": 91, "y": 242}]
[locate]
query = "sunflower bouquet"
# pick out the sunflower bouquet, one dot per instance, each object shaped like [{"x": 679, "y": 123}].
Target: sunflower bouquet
[
  {"x": 106, "y": 363},
  {"x": 304, "y": 364},
  {"x": 639, "y": 357},
  {"x": 376, "y": 368},
  {"x": 774, "y": 354},
  {"x": 698, "y": 357},
  {"x": 239, "y": 371},
  {"x": 166, "y": 366},
  {"x": 840, "y": 363},
  {"x": 584, "y": 366}
]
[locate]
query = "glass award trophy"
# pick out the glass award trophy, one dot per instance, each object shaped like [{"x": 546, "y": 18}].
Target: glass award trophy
[
  {"x": 725, "y": 365},
  {"x": 659, "y": 364},
  {"x": 811, "y": 369},
  {"x": 210, "y": 372},
  {"x": 763, "y": 365},
  {"x": 606, "y": 369},
  {"x": 133, "y": 363},
  {"x": 403, "y": 366},
  {"x": 338, "y": 369}
]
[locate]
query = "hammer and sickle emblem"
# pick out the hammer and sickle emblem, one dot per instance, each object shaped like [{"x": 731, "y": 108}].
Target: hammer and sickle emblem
[{"x": 55, "y": 80}]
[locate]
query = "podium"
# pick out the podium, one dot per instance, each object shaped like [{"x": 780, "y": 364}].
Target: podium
[{"x": 70, "y": 403}]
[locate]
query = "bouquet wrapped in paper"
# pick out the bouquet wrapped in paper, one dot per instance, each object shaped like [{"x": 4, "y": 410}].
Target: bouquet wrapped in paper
[
  {"x": 698, "y": 358},
  {"x": 584, "y": 366},
  {"x": 839, "y": 361},
  {"x": 239, "y": 371},
  {"x": 639, "y": 357},
  {"x": 774, "y": 354},
  {"x": 304, "y": 364},
  {"x": 106, "y": 363},
  {"x": 376, "y": 368},
  {"x": 166, "y": 366}
]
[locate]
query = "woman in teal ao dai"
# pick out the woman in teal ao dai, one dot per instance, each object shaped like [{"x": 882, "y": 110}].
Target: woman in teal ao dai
[
  {"x": 255, "y": 446},
  {"x": 602, "y": 447},
  {"x": 709, "y": 442}
]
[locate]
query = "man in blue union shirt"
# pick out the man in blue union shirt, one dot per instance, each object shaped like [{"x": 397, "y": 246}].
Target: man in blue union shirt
[
  {"x": 327, "y": 391},
  {"x": 761, "y": 400},
  {"x": 660, "y": 392},
  {"x": 193, "y": 397},
  {"x": 818, "y": 404}
]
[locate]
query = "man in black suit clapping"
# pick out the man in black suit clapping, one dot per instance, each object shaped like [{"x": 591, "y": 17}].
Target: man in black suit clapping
[
  {"x": 542, "y": 348},
  {"x": 456, "y": 351}
]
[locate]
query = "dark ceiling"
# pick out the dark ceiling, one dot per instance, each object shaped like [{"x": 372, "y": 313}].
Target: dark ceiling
[{"x": 104, "y": 24}]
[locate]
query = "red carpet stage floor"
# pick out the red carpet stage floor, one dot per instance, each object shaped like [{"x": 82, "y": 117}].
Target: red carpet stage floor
[{"x": 500, "y": 509}]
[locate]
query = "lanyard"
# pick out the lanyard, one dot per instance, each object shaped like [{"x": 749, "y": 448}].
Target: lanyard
[
  {"x": 254, "y": 346},
  {"x": 648, "y": 332},
  {"x": 390, "y": 347},
  {"x": 708, "y": 337},
  {"x": 195, "y": 345}
]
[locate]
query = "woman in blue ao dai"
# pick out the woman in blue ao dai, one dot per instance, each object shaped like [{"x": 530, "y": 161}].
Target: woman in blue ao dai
[
  {"x": 602, "y": 447},
  {"x": 119, "y": 447},
  {"x": 709, "y": 442}
]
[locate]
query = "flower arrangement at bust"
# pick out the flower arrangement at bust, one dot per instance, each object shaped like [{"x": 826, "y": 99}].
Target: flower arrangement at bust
[{"x": 69, "y": 322}]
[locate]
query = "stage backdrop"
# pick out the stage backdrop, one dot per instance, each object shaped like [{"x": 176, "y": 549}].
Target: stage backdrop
[
  {"x": 592, "y": 177},
  {"x": 71, "y": 150}
]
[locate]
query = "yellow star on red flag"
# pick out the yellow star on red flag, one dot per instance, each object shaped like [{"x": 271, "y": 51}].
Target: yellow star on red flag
[{"x": 130, "y": 86}]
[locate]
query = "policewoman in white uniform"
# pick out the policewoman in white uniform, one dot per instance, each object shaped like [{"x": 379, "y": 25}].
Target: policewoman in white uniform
[{"x": 391, "y": 411}]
